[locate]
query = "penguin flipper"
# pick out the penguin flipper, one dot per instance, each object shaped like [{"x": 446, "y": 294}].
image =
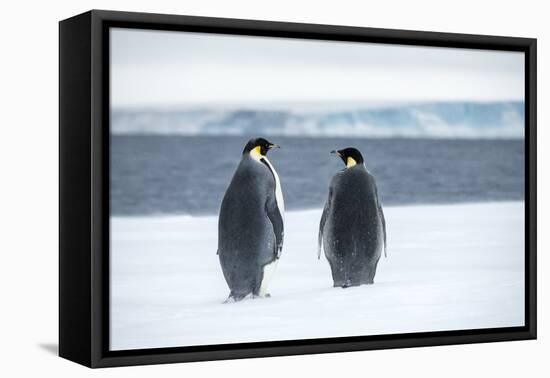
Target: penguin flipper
[
  {"x": 381, "y": 212},
  {"x": 276, "y": 219},
  {"x": 322, "y": 224},
  {"x": 382, "y": 218}
]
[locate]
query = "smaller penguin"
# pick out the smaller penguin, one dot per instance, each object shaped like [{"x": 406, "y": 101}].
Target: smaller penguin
[{"x": 352, "y": 230}]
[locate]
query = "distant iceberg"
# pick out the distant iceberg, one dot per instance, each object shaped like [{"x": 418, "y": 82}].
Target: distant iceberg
[{"x": 424, "y": 120}]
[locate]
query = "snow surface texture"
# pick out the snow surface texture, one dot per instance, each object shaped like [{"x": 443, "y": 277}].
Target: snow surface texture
[{"x": 449, "y": 267}]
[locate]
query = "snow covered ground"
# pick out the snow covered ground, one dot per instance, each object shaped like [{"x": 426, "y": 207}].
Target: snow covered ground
[{"x": 449, "y": 267}]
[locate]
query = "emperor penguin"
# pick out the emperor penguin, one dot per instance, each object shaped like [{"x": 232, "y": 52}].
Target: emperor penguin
[
  {"x": 352, "y": 230},
  {"x": 251, "y": 224}
]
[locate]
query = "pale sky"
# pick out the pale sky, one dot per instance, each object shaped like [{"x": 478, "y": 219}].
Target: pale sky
[{"x": 166, "y": 69}]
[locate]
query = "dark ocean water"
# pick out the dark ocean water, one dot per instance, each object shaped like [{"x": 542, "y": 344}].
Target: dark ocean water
[{"x": 170, "y": 174}]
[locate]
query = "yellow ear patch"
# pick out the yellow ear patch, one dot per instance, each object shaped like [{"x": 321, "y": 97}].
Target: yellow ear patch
[
  {"x": 256, "y": 152},
  {"x": 350, "y": 162}
]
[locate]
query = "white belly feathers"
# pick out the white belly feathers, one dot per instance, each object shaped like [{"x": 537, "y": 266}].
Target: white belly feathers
[{"x": 278, "y": 192}]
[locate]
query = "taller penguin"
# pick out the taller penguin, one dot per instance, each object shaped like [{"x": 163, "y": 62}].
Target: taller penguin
[
  {"x": 352, "y": 228},
  {"x": 250, "y": 226}
]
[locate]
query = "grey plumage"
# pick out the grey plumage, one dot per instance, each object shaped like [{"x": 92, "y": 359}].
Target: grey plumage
[
  {"x": 250, "y": 226},
  {"x": 352, "y": 230}
]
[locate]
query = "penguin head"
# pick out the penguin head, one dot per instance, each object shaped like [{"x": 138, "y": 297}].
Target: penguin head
[
  {"x": 350, "y": 156},
  {"x": 258, "y": 147}
]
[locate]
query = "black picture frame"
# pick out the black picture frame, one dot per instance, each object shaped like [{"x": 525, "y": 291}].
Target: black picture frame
[{"x": 84, "y": 187}]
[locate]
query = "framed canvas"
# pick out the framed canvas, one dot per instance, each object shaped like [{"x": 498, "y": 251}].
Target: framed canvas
[{"x": 399, "y": 210}]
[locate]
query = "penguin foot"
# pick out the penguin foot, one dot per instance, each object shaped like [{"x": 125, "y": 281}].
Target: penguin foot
[
  {"x": 266, "y": 295},
  {"x": 348, "y": 283},
  {"x": 237, "y": 297}
]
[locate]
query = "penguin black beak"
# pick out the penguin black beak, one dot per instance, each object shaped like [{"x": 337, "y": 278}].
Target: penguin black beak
[
  {"x": 336, "y": 152},
  {"x": 274, "y": 146}
]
